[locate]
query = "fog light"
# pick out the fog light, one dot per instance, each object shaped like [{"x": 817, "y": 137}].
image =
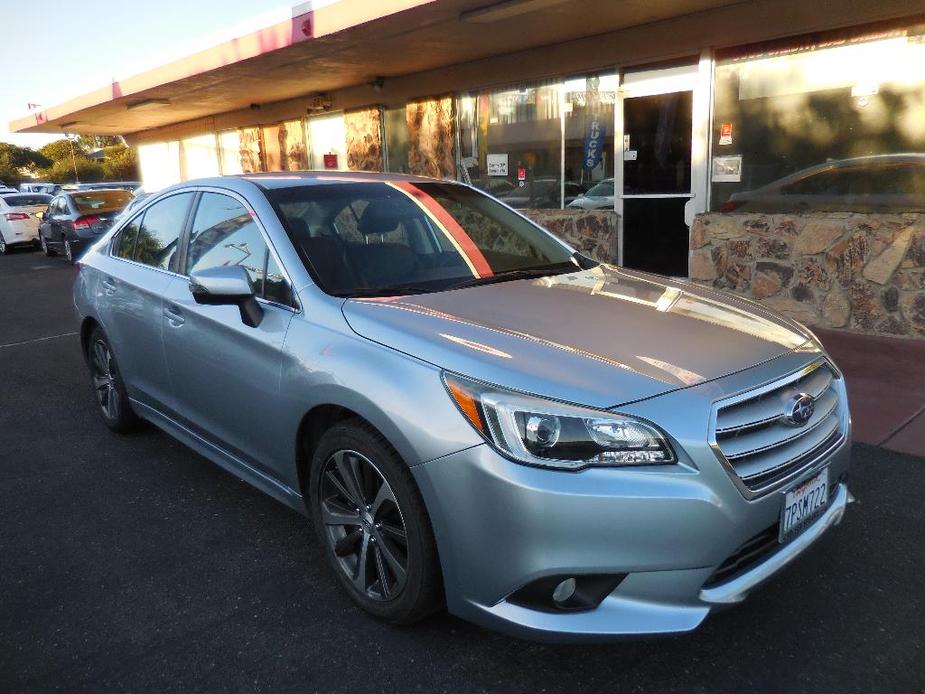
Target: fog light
[
  {"x": 563, "y": 593},
  {"x": 565, "y": 590}
]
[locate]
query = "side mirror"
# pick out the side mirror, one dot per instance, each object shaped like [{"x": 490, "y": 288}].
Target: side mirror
[{"x": 227, "y": 286}]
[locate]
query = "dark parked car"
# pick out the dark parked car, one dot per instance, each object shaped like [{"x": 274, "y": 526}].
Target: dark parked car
[
  {"x": 542, "y": 193},
  {"x": 873, "y": 183},
  {"x": 76, "y": 218},
  {"x": 130, "y": 186}
]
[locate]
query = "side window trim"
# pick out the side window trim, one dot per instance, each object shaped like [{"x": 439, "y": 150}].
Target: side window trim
[
  {"x": 141, "y": 220},
  {"x": 186, "y": 232},
  {"x": 293, "y": 305}
]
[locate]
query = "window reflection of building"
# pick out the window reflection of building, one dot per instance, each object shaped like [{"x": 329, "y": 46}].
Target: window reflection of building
[
  {"x": 521, "y": 130},
  {"x": 789, "y": 109}
]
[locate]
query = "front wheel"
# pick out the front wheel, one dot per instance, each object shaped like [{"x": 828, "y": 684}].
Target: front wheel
[
  {"x": 373, "y": 525},
  {"x": 111, "y": 396},
  {"x": 45, "y": 249}
]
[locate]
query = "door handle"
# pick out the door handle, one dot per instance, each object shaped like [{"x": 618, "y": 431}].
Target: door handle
[
  {"x": 109, "y": 286},
  {"x": 174, "y": 316}
]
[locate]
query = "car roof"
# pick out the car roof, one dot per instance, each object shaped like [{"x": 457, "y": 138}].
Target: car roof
[
  {"x": 289, "y": 179},
  {"x": 85, "y": 191}
]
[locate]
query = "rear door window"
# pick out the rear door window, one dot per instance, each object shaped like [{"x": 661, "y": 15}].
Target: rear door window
[{"x": 158, "y": 239}]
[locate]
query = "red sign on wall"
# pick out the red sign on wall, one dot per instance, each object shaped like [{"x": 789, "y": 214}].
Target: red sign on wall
[
  {"x": 521, "y": 173},
  {"x": 330, "y": 161},
  {"x": 725, "y": 134}
]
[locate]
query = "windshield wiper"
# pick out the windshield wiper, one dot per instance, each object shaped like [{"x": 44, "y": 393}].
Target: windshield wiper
[
  {"x": 397, "y": 290},
  {"x": 511, "y": 275}
]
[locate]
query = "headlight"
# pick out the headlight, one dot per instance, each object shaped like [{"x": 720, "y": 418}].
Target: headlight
[{"x": 552, "y": 434}]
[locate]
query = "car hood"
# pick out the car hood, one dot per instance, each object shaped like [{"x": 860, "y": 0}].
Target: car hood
[{"x": 600, "y": 337}]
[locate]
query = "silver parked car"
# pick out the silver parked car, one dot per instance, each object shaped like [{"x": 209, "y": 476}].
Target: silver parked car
[{"x": 472, "y": 413}]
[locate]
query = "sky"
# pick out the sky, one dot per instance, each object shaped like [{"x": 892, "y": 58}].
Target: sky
[{"x": 53, "y": 50}]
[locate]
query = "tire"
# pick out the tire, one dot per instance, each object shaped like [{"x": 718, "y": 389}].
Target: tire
[
  {"x": 4, "y": 249},
  {"x": 350, "y": 455},
  {"x": 108, "y": 388},
  {"x": 45, "y": 249},
  {"x": 68, "y": 252}
]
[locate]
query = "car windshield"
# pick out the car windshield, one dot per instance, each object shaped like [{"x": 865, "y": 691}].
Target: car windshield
[
  {"x": 398, "y": 237},
  {"x": 27, "y": 200},
  {"x": 101, "y": 200},
  {"x": 602, "y": 190}
]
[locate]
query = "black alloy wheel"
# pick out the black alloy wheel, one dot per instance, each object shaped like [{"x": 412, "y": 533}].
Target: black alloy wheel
[
  {"x": 364, "y": 525},
  {"x": 103, "y": 381},
  {"x": 371, "y": 520},
  {"x": 108, "y": 387}
]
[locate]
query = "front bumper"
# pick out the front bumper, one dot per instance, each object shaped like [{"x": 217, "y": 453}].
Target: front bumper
[{"x": 501, "y": 526}]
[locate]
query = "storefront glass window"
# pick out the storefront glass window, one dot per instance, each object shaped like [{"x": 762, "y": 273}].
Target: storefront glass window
[
  {"x": 511, "y": 145},
  {"x": 199, "y": 157},
  {"x": 327, "y": 137},
  {"x": 160, "y": 164},
  {"x": 589, "y": 146},
  {"x": 833, "y": 125},
  {"x": 229, "y": 145},
  {"x": 398, "y": 140}
]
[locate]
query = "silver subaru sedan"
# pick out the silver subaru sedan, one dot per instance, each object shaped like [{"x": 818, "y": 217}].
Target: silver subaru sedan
[{"x": 472, "y": 413}]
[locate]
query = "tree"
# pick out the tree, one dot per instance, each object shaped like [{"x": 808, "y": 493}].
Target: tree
[
  {"x": 14, "y": 159},
  {"x": 60, "y": 150},
  {"x": 62, "y": 171},
  {"x": 91, "y": 142},
  {"x": 22, "y": 157},
  {"x": 121, "y": 164}
]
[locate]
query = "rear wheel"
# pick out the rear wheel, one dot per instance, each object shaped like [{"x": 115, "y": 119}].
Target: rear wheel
[
  {"x": 3, "y": 246},
  {"x": 68, "y": 251},
  {"x": 111, "y": 396},
  {"x": 373, "y": 525}
]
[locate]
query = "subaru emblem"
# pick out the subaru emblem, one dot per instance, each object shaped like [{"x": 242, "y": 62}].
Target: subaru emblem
[{"x": 799, "y": 410}]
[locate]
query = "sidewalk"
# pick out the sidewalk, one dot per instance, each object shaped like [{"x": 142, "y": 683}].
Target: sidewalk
[{"x": 886, "y": 388}]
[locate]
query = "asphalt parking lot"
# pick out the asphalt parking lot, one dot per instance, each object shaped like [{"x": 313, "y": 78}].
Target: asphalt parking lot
[{"x": 130, "y": 563}]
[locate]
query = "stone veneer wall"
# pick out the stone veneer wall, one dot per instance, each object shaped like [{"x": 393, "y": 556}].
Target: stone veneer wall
[
  {"x": 863, "y": 272},
  {"x": 593, "y": 232},
  {"x": 432, "y": 134},
  {"x": 364, "y": 139}
]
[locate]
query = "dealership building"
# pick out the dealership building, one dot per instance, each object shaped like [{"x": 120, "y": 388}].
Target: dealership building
[{"x": 771, "y": 148}]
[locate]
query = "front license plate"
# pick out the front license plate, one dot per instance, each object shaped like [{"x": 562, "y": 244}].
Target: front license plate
[{"x": 803, "y": 504}]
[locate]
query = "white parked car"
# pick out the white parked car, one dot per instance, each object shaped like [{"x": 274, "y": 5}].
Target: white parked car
[
  {"x": 19, "y": 219},
  {"x": 600, "y": 197}
]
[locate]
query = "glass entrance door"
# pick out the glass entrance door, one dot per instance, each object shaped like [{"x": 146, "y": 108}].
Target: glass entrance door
[{"x": 657, "y": 124}]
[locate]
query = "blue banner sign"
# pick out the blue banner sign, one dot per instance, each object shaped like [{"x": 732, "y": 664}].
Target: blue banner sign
[{"x": 594, "y": 142}]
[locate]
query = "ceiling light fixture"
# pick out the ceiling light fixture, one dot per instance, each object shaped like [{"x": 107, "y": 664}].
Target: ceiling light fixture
[
  {"x": 506, "y": 10},
  {"x": 148, "y": 104}
]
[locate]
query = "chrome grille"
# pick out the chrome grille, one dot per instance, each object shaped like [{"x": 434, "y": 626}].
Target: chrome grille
[{"x": 761, "y": 446}]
